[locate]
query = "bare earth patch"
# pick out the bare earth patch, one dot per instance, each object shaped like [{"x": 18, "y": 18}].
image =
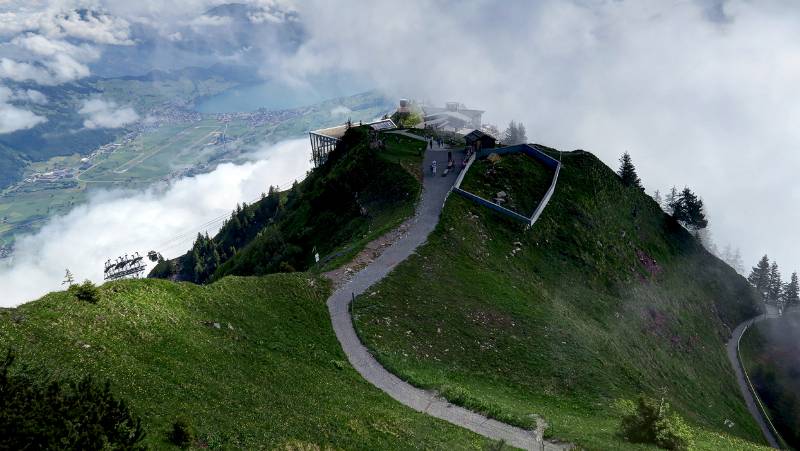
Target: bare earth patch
[{"x": 371, "y": 251}]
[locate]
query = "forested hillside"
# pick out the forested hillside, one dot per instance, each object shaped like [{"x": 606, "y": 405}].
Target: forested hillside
[{"x": 360, "y": 192}]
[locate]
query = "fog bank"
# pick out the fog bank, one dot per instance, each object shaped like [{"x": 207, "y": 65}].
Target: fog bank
[{"x": 114, "y": 223}]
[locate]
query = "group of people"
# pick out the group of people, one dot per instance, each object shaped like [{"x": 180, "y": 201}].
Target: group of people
[
  {"x": 450, "y": 164},
  {"x": 439, "y": 142}
]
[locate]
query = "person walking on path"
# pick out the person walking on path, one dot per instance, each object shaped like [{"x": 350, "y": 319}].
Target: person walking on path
[
  {"x": 433, "y": 167},
  {"x": 430, "y": 143}
]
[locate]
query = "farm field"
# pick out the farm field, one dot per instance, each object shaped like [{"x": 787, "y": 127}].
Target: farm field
[{"x": 165, "y": 152}]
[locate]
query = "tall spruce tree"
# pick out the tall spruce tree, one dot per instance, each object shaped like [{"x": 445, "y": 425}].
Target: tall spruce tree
[
  {"x": 688, "y": 209},
  {"x": 522, "y": 137},
  {"x": 627, "y": 172},
  {"x": 759, "y": 277},
  {"x": 791, "y": 291},
  {"x": 657, "y": 197},
  {"x": 733, "y": 257},
  {"x": 775, "y": 291},
  {"x": 670, "y": 199},
  {"x": 511, "y": 135}
]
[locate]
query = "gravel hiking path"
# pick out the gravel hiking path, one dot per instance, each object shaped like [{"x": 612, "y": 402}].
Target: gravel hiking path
[{"x": 417, "y": 229}]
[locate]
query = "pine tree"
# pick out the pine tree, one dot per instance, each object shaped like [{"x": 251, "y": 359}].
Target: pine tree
[
  {"x": 522, "y": 137},
  {"x": 733, "y": 257},
  {"x": 511, "y": 134},
  {"x": 707, "y": 240},
  {"x": 688, "y": 209},
  {"x": 775, "y": 292},
  {"x": 759, "y": 277},
  {"x": 657, "y": 198},
  {"x": 627, "y": 172},
  {"x": 69, "y": 279},
  {"x": 791, "y": 291},
  {"x": 737, "y": 263},
  {"x": 670, "y": 199}
]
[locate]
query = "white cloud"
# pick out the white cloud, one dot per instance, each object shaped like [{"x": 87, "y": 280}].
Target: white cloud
[
  {"x": 13, "y": 118},
  {"x": 210, "y": 21},
  {"x": 700, "y": 96},
  {"x": 62, "y": 20},
  {"x": 51, "y": 61},
  {"x": 44, "y": 46},
  {"x": 32, "y": 96},
  {"x": 97, "y": 27},
  {"x": 340, "y": 110},
  {"x": 115, "y": 223},
  {"x": 106, "y": 114},
  {"x": 17, "y": 71},
  {"x": 44, "y": 53}
]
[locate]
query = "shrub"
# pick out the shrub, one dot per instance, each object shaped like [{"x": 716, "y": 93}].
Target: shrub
[
  {"x": 63, "y": 415},
  {"x": 182, "y": 433},
  {"x": 650, "y": 421},
  {"x": 87, "y": 292}
]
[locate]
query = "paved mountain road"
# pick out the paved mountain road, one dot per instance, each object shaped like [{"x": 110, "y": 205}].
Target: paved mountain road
[{"x": 744, "y": 385}]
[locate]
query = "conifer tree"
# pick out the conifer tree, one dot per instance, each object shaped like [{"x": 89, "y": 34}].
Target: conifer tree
[
  {"x": 736, "y": 262},
  {"x": 759, "y": 277},
  {"x": 627, "y": 172},
  {"x": 688, "y": 209},
  {"x": 522, "y": 137},
  {"x": 791, "y": 291},
  {"x": 733, "y": 257},
  {"x": 511, "y": 134},
  {"x": 670, "y": 199},
  {"x": 69, "y": 279},
  {"x": 657, "y": 198},
  {"x": 775, "y": 292}
]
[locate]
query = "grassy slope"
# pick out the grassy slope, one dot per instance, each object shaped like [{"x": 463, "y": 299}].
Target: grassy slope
[
  {"x": 517, "y": 175},
  {"x": 327, "y": 213},
  {"x": 769, "y": 352},
  {"x": 408, "y": 154},
  {"x": 277, "y": 374},
  {"x": 573, "y": 321}
]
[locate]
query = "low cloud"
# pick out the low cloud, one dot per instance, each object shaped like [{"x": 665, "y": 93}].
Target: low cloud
[
  {"x": 340, "y": 110},
  {"x": 702, "y": 93},
  {"x": 13, "y": 118},
  {"x": 167, "y": 220},
  {"x": 59, "y": 21},
  {"x": 50, "y": 61},
  {"x": 210, "y": 21},
  {"x": 106, "y": 114},
  {"x": 32, "y": 96},
  {"x": 51, "y": 45}
]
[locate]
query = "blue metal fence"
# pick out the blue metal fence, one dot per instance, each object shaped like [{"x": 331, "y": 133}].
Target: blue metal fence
[{"x": 529, "y": 150}]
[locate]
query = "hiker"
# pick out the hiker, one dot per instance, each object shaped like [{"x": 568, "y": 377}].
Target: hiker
[{"x": 433, "y": 167}]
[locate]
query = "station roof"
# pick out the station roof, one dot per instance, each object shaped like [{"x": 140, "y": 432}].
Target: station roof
[{"x": 338, "y": 131}]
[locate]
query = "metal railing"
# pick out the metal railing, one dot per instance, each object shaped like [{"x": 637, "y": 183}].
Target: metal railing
[
  {"x": 764, "y": 413},
  {"x": 527, "y": 149}
]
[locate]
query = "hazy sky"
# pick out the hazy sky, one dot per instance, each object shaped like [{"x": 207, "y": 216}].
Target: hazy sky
[{"x": 701, "y": 93}]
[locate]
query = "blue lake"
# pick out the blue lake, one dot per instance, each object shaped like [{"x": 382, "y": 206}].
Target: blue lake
[{"x": 276, "y": 94}]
